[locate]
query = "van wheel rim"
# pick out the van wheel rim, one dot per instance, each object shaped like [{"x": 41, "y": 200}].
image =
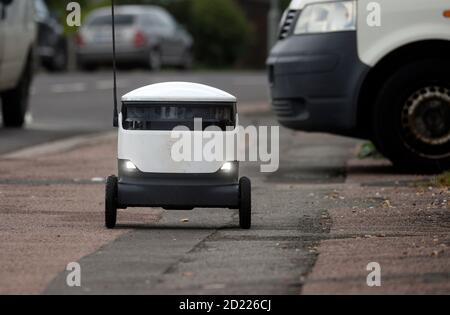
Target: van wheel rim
[{"x": 426, "y": 115}]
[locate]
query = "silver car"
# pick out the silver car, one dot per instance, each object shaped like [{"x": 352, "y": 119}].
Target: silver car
[{"x": 148, "y": 35}]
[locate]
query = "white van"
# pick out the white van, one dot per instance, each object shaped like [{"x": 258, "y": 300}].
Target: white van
[
  {"x": 17, "y": 37},
  {"x": 377, "y": 70}
]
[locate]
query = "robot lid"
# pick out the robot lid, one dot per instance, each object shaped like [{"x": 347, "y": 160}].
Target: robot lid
[{"x": 178, "y": 92}]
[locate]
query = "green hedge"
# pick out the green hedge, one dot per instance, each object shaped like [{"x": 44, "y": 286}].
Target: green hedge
[{"x": 221, "y": 32}]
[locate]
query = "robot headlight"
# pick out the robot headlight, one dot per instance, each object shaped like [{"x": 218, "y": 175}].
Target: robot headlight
[
  {"x": 227, "y": 167},
  {"x": 130, "y": 166}
]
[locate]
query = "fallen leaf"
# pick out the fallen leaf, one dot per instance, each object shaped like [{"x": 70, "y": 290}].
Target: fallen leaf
[
  {"x": 387, "y": 204},
  {"x": 435, "y": 253},
  {"x": 188, "y": 274}
]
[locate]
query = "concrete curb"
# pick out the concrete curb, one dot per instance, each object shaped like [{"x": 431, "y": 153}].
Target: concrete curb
[{"x": 61, "y": 145}]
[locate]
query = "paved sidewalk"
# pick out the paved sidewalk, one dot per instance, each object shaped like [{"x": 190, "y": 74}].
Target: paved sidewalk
[
  {"x": 51, "y": 214},
  {"x": 52, "y": 211},
  {"x": 398, "y": 221}
]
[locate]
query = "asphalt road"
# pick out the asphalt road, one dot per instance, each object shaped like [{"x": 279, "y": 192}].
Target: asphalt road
[{"x": 64, "y": 105}]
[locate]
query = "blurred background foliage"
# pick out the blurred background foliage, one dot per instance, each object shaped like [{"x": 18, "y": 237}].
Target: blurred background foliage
[
  {"x": 220, "y": 29},
  {"x": 226, "y": 32}
]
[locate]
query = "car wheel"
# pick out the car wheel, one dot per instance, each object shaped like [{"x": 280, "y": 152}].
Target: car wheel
[
  {"x": 412, "y": 117},
  {"x": 15, "y": 101},
  {"x": 245, "y": 206},
  {"x": 111, "y": 202},
  {"x": 155, "y": 60},
  {"x": 59, "y": 61},
  {"x": 86, "y": 66},
  {"x": 187, "y": 61}
]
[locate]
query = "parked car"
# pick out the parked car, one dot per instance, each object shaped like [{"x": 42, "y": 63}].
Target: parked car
[
  {"x": 17, "y": 38},
  {"x": 51, "y": 43},
  {"x": 145, "y": 34},
  {"x": 374, "y": 70}
]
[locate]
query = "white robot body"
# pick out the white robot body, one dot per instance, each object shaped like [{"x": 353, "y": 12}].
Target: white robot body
[
  {"x": 150, "y": 175},
  {"x": 151, "y": 150},
  {"x": 153, "y": 120}
]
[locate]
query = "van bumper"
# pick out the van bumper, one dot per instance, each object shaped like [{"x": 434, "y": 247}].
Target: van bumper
[{"x": 315, "y": 81}]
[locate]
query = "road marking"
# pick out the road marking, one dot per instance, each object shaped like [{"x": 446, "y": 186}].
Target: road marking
[
  {"x": 68, "y": 88},
  {"x": 81, "y": 86},
  {"x": 109, "y": 84},
  {"x": 59, "y": 146}
]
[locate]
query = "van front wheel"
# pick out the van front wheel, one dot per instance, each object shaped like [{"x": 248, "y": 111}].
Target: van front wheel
[{"x": 412, "y": 117}]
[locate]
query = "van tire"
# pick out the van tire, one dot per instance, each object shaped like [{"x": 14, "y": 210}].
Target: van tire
[
  {"x": 405, "y": 105},
  {"x": 15, "y": 101}
]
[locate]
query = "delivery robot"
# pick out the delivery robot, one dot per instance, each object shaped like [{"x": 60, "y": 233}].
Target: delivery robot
[
  {"x": 155, "y": 171},
  {"x": 150, "y": 173}
]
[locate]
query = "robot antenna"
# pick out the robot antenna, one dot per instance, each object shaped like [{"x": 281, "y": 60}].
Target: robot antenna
[{"x": 116, "y": 113}]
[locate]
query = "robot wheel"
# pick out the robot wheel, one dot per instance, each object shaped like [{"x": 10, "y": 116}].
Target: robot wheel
[
  {"x": 245, "y": 203},
  {"x": 111, "y": 202}
]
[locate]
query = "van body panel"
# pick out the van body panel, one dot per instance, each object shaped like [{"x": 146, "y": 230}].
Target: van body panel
[{"x": 402, "y": 22}]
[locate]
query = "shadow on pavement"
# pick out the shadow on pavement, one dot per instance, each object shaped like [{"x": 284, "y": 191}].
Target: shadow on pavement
[{"x": 162, "y": 226}]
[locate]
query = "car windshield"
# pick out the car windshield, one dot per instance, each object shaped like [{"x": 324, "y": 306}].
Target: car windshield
[{"x": 104, "y": 20}]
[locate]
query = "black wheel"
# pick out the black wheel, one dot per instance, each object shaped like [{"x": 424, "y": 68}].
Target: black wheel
[
  {"x": 59, "y": 61},
  {"x": 86, "y": 66},
  {"x": 187, "y": 60},
  {"x": 111, "y": 202},
  {"x": 15, "y": 101},
  {"x": 155, "y": 60},
  {"x": 412, "y": 117},
  {"x": 245, "y": 205}
]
